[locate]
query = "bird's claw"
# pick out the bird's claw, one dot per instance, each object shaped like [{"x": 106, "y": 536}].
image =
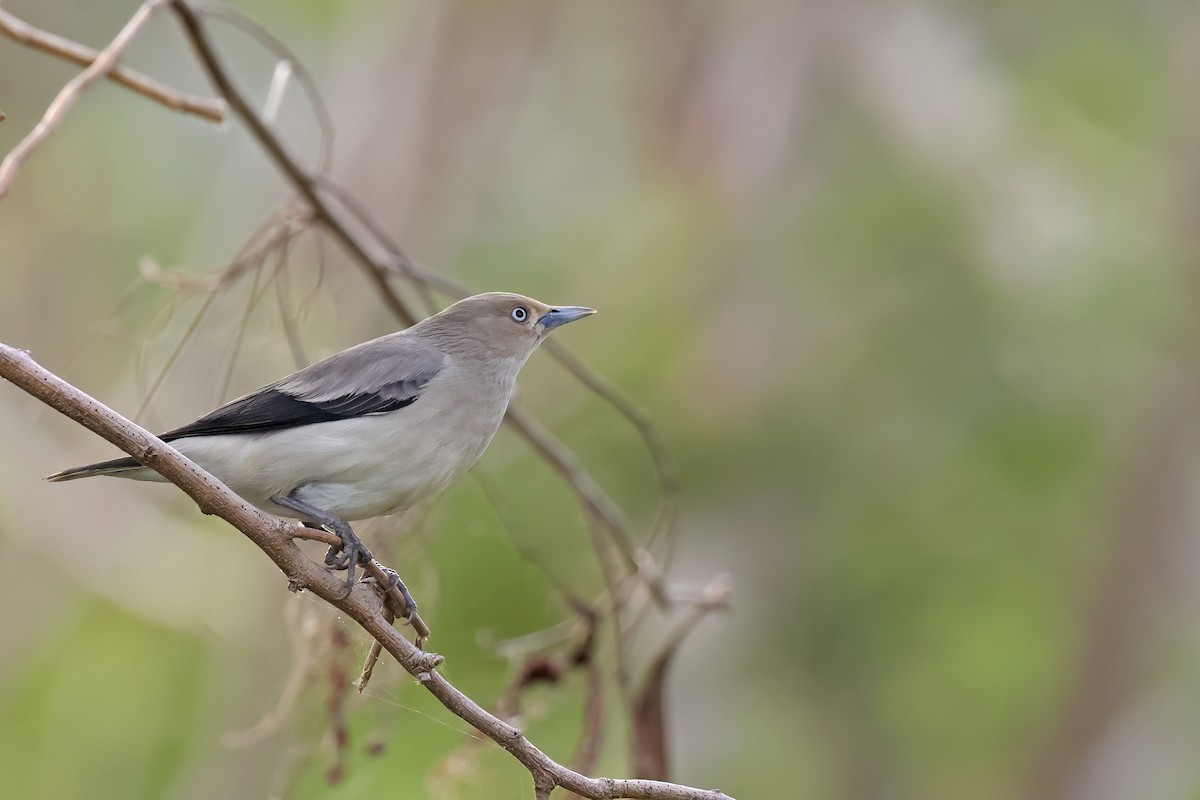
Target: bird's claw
[
  {"x": 335, "y": 558},
  {"x": 348, "y": 555},
  {"x": 394, "y": 582}
]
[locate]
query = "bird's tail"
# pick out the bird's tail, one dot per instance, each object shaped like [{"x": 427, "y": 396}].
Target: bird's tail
[{"x": 117, "y": 466}]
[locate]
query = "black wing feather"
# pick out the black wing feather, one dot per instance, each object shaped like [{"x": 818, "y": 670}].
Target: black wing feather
[
  {"x": 372, "y": 378},
  {"x": 271, "y": 409}
]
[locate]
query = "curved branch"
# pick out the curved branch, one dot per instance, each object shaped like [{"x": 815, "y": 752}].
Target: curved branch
[{"x": 275, "y": 538}]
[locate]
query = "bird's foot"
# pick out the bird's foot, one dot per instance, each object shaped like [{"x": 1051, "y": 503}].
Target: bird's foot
[
  {"x": 394, "y": 582},
  {"x": 349, "y": 554}
]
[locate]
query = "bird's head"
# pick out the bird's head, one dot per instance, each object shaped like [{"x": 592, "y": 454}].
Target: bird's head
[{"x": 503, "y": 324}]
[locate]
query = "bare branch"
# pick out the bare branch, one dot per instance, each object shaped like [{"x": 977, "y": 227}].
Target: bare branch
[
  {"x": 368, "y": 667},
  {"x": 275, "y": 538},
  {"x": 587, "y": 749},
  {"x": 105, "y": 61},
  {"x": 23, "y": 33},
  {"x": 594, "y": 500},
  {"x": 304, "y": 183},
  {"x": 649, "y": 745},
  {"x": 232, "y": 15},
  {"x": 668, "y": 478}
]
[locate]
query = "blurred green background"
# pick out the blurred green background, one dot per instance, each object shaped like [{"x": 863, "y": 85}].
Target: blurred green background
[{"x": 909, "y": 286}]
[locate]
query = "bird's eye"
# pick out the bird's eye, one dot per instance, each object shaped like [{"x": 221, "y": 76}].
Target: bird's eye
[{"x": 519, "y": 314}]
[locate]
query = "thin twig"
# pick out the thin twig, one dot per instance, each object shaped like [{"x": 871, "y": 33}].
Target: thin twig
[
  {"x": 283, "y": 297},
  {"x": 275, "y": 538},
  {"x": 103, "y": 65},
  {"x": 595, "y": 501},
  {"x": 303, "y": 182},
  {"x": 23, "y": 33},
  {"x": 648, "y": 745},
  {"x": 232, "y": 15},
  {"x": 368, "y": 667},
  {"x": 272, "y": 234},
  {"x": 668, "y": 477}
]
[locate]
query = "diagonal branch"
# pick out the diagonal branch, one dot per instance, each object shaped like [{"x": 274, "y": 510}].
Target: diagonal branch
[
  {"x": 23, "y": 33},
  {"x": 275, "y": 538}
]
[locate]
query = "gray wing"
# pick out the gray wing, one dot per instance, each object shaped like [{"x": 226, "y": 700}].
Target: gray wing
[{"x": 375, "y": 377}]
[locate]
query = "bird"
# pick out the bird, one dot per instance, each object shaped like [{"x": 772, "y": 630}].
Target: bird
[{"x": 372, "y": 430}]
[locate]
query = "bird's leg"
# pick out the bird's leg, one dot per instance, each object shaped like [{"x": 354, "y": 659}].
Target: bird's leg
[
  {"x": 333, "y": 557},
  {"x": 349, "y": 554}
]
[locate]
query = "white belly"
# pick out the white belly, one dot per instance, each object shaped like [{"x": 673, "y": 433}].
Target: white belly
[{"x": 355, "y": 468}]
